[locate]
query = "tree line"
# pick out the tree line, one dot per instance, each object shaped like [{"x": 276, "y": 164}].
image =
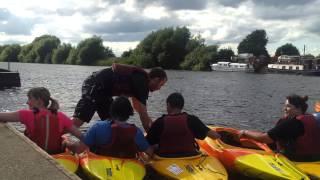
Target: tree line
[{"x": 170, "y": 48}]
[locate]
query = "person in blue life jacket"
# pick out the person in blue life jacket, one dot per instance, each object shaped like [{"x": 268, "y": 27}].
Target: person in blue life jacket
[
  {"x": 131, "y": 81},
  {"x": 116, "y": 137},
  {"x": 174, "y": 134},
  {"x": 296, "y": 134}
]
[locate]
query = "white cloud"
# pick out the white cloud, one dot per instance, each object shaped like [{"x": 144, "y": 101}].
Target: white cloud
[{"x": 123, "y": 23}]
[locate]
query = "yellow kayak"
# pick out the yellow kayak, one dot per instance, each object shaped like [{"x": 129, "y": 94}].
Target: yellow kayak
[
  {"x": 199, "y": 167},
  {"x": 310, "y": 168},
  {"x": 68, "y": 161},
  {"x": 249, "y": 158},
  {"x": 103, "y": 167}
]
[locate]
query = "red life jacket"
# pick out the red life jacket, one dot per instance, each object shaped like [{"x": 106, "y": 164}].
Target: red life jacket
[
  {"x": 309, "y": 143},
  {"x": 122, "y": 79},
  {"x": 177, "y": 138},
  {"x": 122, "y": 143},
  {"x": 46, "y": 133}
]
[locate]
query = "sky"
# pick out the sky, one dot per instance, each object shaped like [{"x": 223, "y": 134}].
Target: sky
[{"x": 122, "y": 24}]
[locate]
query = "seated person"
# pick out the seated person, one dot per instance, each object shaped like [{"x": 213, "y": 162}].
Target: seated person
[
  {"x": 44, "y": 124},
  {"x": 175, "y": 132},
  {"x": 116, "y": 138},
  {"x": 296, "y": 134}
]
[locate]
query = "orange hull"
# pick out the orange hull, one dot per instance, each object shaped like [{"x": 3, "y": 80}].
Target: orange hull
[{"x": 249, "y": 157}]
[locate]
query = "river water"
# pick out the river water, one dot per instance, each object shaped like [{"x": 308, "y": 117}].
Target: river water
[{"x": 235, "y": 99}]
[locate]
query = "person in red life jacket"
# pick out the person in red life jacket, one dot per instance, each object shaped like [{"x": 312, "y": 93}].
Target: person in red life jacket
[
  {"x": 44, "y": 125},
  {"x": 115, "y": 138},
  {"x": 131, "y": 81},
  {"x": 296, "y": 135},
  {"x": 174, "y": 134}
]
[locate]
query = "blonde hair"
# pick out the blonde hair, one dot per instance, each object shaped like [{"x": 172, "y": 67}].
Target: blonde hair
[{"x": 44, "y": 94}]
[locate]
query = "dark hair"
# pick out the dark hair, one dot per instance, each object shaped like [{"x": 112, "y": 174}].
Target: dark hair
[
  {"x": 157, "y": 72},
  {"x": 121, "y": 109},
  {"x": 298, "y": 101},
  {"x": 44, "y": 94},
  {"x": 176, "y": 100}
]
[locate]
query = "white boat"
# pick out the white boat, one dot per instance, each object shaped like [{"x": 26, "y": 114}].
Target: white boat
[
  {"x": 296, "y": 65},
  {"x": 228, "y": 66}
]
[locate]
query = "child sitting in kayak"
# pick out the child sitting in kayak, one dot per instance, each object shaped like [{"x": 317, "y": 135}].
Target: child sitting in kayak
[
  {"x": 175, "y": 132},
  {"x": 116, "y": 138},
  {"x": 44, "y": 124},
  {"x": 296, "y": 134}
]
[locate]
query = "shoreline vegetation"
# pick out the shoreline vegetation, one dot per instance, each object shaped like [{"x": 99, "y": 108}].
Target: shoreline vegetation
[{"x": 169, "y": 48}]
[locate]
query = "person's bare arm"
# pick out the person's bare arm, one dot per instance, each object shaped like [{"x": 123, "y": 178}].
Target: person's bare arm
[
  {"x": 76, "y": 132},
  {"x": 143, "y": 114},
  {"x": 9, "y": 117},
  {"x": 75, "y": 146},
  {"x": 77, "y": 122},
  {"x": 149, "y": 151},
  {"x": 145, "y": 119},
  {"x": 258, "y": 136}
]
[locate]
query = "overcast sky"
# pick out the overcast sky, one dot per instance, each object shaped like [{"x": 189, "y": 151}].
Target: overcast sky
[{"x": 122, "y": 24}]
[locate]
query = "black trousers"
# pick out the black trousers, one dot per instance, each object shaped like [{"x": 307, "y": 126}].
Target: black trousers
[{"x": 94, "y": 98}]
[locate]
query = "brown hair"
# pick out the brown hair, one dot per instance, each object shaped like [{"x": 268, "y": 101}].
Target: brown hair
[
  {"x": 44, "y": 94},
  {"x": 158, "y": 72}
]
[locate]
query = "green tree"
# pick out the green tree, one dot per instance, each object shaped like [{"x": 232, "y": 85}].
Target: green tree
[
  {"x": 141, "y": 58},
  {"x": 2, "y": 48},
  {"x": 287, "y": 49},
  {"x": 91, "y": 50},
  {"x": 225, "y": 54},
  {"x": 10, "y": 53},
  {"x": 194, "y": 42},
  {"x": 165, "y": 47},
  {"x": 44, "y": 46},
  {"x": 72, "y": 57},
  {"x": 61, "y": 54},
  {"x": 27, "y": 54},
  {"x": 254, "y": 43},
  {"x": 200, "y": 58},
  {"x": 126, "y": 54}
]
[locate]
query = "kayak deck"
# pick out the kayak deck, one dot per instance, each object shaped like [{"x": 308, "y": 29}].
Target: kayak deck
[
  {"x": 103, "y": 167},
  {"x": 68, "y": 161},
  {"x": 188, "y": 168}
]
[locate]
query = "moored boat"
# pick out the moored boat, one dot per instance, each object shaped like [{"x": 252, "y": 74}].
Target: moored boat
[
  {"x": 228, "y": 66},
  {"x": 9, "y": 78},
  {"x": 250, "y": 159},
  {"x": 299, "y": 65}
]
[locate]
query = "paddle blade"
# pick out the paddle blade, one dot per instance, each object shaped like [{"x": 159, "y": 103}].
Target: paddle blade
[{"x": 317, "y": 106}]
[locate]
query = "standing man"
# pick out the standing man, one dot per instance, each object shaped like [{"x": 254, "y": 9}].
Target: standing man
[{"x": 99, "y": 88}]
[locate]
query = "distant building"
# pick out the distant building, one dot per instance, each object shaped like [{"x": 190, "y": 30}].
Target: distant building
[{"x": 286, "y": 59}]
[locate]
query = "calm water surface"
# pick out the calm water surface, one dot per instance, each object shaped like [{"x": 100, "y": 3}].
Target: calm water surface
[{"x": 235, "y": 99}]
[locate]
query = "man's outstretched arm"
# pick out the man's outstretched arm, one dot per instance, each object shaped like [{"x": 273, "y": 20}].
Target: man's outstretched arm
[{"x": 143, "y": 114}]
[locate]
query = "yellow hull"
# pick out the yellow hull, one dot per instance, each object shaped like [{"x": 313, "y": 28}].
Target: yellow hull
[
  {"x": 200, "y": 167},
  {"x": 310, "y": 168},
  {"x": 102, "y": 167},
  {"x": 251, "y": 162},
  {"x": 68, "y": 161}
]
